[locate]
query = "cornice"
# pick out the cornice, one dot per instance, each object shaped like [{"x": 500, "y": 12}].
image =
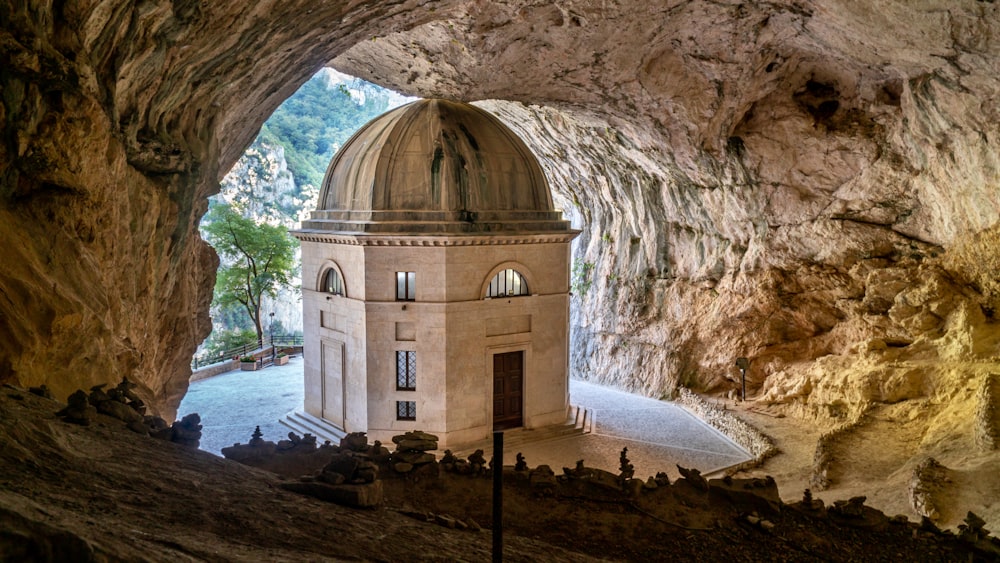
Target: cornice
[{"x": 435, "y": 240}]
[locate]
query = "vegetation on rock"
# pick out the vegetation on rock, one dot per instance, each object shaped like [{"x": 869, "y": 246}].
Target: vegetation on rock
[
  {"x": 277, "y": 180},
  {"x": 319, "y": 118}
]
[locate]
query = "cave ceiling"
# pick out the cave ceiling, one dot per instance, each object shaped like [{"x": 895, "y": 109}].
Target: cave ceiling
[{"x": 786, "y": 180}]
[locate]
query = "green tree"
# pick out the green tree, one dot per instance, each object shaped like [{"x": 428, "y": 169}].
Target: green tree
[{"x": 257, "y": 260}]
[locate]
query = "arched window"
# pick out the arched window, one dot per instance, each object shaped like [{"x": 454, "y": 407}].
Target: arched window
[
  {"x": 507, "y": 283},
  {"x": 332, "y": 282}
]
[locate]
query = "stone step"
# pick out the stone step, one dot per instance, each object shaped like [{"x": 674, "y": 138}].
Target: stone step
[
  {"x": 579, "y": 421},
  {"x": 302, "y": 423}
]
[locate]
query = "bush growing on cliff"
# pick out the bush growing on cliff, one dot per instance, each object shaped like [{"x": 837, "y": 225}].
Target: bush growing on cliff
[
  {"x": 318, "y": 119},
  {"x": 580, "y": 277}
]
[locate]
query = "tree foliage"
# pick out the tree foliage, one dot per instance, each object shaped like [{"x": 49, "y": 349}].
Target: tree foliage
[
  {"x": 317, "y": 120},
  {"x": 257, "y": 260}
]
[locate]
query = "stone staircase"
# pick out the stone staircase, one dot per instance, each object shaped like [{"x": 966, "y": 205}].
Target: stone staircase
[
  {"x": 303, "y": 423},
  {"x": 579, "y": 421}
]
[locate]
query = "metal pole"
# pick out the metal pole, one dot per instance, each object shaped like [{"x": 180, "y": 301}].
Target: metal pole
[
  {"x": 270, "y": 330},
  {"x": 497, "y": 497},
  {"x": 744, "y": 365},
  {"x": 743, "y": 376}
]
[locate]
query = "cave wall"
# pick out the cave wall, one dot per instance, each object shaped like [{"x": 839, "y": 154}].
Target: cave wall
[
  {"x": 783, "y": 180},
  {"x": 118, "y": 121}
]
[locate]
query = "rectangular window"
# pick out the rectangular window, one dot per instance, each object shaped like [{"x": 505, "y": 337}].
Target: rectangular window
[
  {"x": 406, "y": 410},
  {"x": 406, "y": 370},
  {"x": 406, "y": 286}
]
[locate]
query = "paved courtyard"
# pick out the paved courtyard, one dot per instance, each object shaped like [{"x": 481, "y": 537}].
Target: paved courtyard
[
  {"x": 233, "y": 403},
  {"x": 659, "y": 435}
]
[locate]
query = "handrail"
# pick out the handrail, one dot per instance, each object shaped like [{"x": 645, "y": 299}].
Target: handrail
[{"x": 284, "y": 341}]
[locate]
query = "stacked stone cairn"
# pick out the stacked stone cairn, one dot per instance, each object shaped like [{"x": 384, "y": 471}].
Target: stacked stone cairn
[
  {"x": 411, "y": 451},
  {"x": 974, "y": 533},
  {"x": 449, "y": 462},
  {"x": 543, "y": 481},
  {"x": 475, "y": 464},
  {"x": 123, "y": 403},
  {"x": 351, "y": 476},
  {"x": 186, "y": 431},
  {"x": 520, "y": 465},
  {"x": 307, "y": 441},
  {"x": 298, "y": 455},
  {"x": 79, "y": 410},
  {"x": 348, "y": 467}
]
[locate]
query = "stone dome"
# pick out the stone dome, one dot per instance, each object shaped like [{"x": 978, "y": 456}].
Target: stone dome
[{"x": 435, "y": 166}]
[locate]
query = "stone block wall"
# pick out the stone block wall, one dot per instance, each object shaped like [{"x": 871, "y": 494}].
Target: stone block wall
[{"x": 214, "y": 370}]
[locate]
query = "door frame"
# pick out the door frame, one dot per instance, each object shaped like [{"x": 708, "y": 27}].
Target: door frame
[
  {"x": 323, "y": 343},
  {"x": 526, "y": 396}
]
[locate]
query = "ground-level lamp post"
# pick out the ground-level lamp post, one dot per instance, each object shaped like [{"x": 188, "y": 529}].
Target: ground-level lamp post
[
  {"x": 744, "y": 365},
  {"x": 270, "y": 330}
]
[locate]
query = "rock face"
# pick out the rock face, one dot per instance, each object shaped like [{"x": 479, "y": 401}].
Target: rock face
[{"x": 784, "y": 181}]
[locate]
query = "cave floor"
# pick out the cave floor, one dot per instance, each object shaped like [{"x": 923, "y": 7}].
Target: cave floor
[
  {"x": 104, "y": 493},
  {"x": 659, "y": 435}
]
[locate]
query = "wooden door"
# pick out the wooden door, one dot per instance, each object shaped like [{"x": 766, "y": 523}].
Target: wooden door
[
  {"x": 333, "y": 382},
  {"x": 508, "y": 390}
]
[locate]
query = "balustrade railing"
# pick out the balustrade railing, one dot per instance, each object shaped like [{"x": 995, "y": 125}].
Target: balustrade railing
[{"x": 249, "y": 348}]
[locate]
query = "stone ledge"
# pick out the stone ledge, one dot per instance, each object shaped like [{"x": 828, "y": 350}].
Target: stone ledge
[{"x": 751, "y": 439}]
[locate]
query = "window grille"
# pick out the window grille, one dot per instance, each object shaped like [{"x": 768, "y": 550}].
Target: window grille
[
  {"x": 406, "y": 410},
  {"x": 406, "y": 284},
  {"x": 507, "y": 283},
  {"x": 332, "y": 282},
  {"x": 406, "y": 370}
]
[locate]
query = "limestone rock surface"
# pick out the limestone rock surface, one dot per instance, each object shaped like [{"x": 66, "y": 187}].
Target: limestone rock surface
[{"x": 796, "y": 182}]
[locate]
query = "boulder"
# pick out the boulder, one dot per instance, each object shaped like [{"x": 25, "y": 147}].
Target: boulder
[
  {"x": 120, "y": 410},
  {"x": 412, "y": 457},
  {"x": 355, "y": 441},
  {"x": 543, "y": 480},
  {"x": 416, "y": 440},
  {"x": 344, "y": 464},
  {"x": 79, "y": 410},
  {"x": 368, "y": 495}
]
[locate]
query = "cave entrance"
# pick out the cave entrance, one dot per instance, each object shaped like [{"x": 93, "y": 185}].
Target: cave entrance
[{"x": 276, "y": 182}]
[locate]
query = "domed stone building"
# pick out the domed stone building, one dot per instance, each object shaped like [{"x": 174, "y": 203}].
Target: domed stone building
[{"x": 435, "y": 282}]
